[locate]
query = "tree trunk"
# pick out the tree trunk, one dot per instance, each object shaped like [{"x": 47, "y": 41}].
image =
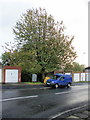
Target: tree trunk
[{"x": 43, "y": 74}]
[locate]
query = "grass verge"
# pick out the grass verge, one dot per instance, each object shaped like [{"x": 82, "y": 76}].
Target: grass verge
[
  {"x": 33, "y": 83},
  {"x": 82, "y": 82}
]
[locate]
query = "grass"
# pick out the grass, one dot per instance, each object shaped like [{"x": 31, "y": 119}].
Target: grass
[
  {"x": 33, "y": 83},
  {"x": 40, "y": 83},
  {"x": 82, "y": 82}
]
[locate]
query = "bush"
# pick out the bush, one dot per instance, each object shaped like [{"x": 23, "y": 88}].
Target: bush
[
  {"x": 39, "y": 77},
  {"x": 26, "y": 76}
]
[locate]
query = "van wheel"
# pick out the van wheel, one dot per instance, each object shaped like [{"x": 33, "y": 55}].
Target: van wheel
[
  {"x": 68, "y": 85},
  {"x": 56, "y": 86}
]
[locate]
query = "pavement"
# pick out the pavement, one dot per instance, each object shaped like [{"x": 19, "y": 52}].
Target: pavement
[
  {"x": 84, "y": 115},
  {"x": 20, "y": 86},
  {"x": 26, "y": 85},
  {"x": 79, "y": 114}
]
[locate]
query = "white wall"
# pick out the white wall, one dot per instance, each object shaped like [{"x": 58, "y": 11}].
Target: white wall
[
  {"x": 87, "y": 76},
  {"x": 76, "y": 77},
  {"x": 0, "y": 75},
  {"x": 81, "y": 77}
]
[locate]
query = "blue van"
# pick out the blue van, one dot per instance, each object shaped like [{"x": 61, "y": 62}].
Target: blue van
[{"x": 60, "y": 80}]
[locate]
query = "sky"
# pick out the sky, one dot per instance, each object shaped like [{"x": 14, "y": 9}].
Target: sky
[{"x": 73, "y": 13}]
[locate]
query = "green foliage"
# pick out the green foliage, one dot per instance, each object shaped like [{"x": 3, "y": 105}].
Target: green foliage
[
  {"x": 42, "y": 45},
  {"x": 37, "y": 32},
  {"x": 6, "y": 58},
  {"x": 77, "y": 67},
  {"x": 26, "y": 76},
  {"x": 74, "y": 67}
]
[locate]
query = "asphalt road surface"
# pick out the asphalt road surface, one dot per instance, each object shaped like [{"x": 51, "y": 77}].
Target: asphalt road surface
[{"x": 42, "y": 103}]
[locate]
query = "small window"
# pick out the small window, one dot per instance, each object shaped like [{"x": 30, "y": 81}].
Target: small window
[{"x": 57, "y": 77}]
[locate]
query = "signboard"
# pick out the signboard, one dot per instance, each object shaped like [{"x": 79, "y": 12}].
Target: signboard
[{"x": 34, "y": 77}]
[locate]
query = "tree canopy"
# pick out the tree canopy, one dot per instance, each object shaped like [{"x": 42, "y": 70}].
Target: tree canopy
[
  {"x": 42, "y": 45},
  {"x": 74, "y": 67}
]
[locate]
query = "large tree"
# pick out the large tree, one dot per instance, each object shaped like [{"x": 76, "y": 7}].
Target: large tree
[{"x": 42, "y": 42}]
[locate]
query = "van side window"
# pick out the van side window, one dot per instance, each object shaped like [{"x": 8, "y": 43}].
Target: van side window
[
  {"x": 57, "y": 77},
  {"x": 62, "y": 78}
]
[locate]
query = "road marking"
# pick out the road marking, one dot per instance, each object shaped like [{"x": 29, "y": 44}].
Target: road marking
[
  {"x": 53, "y": 117},
  {"x": 70, "y": 91},
  {"x": 63, "y": 92},
  {"x": 17, "y": 98}
]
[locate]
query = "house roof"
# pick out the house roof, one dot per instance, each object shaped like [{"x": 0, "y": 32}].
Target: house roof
[{"x": 87, "y": 67}]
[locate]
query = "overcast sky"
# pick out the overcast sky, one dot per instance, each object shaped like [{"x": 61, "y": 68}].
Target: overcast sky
[{"x": 74, "y": 14}]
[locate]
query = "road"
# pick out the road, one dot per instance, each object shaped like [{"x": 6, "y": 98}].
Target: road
[{"x": 42, "y": 103}]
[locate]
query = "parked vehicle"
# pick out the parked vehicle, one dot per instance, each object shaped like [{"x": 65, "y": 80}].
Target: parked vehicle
[
  {"x": 60, "y": 80},
  {"x": 46, "y": 78}
]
